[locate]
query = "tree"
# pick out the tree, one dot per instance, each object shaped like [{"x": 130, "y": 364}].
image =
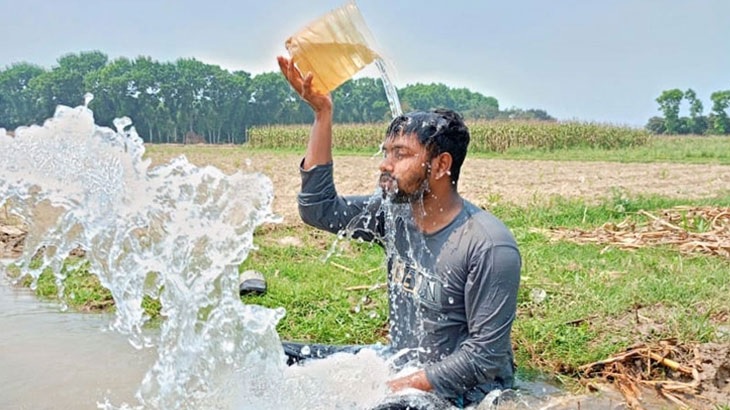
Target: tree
[
  {"x": 474, "y": 105},
  {"x": 696, "y": 123},
  {"x": 429, "y": 96},
  {"x": 168, "y": 100},
  {"x": 114, "y": 90},
  {"x": 669, "y": 102},
  {"x": 720, "y": 103},
  {"x": 361, "y": 100},
  {"x": 655, "y": 125},
  {"x": 229, "y": 98},
  {"x": 17, "y": 106},
  {"x": 83, "y": 63},
  {"x": 519, "y": 114},
  {"x": 272, "y": 100},
  {"x": 64, "y": 84}
]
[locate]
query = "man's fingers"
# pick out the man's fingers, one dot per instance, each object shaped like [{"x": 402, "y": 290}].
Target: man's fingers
[
  {"x": 307, "y": 84},
  {"x": 283, "y": 64},
  {"x": 302, "y": 84},
  {"x": 291, "y": 73},
  {"x": 308, "y": 80}
]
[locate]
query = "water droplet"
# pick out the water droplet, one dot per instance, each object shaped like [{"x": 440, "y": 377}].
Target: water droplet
[
  {"x": 305, "y": 350},
  {"x": 451, "y": 300},
  {"x": 538, "y": 295}
]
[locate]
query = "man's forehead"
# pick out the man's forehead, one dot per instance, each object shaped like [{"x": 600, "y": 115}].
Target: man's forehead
[{"x": 400, "y": 140}]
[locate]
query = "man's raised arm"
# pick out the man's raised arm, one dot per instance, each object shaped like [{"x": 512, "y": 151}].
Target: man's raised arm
[{"x": 319, "y": 148}]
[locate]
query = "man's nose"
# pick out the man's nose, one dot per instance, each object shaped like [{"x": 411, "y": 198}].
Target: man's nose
[{"x": 386, "y": 165}]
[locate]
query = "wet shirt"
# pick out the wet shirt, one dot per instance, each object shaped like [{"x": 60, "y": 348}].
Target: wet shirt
[{"x": 452, "y": 293}]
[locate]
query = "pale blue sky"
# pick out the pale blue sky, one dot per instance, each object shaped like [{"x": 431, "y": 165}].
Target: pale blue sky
[{"x": 589, "y": 60}]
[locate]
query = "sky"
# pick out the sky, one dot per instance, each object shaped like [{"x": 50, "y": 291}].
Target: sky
[{"x": 600, "y": 61}]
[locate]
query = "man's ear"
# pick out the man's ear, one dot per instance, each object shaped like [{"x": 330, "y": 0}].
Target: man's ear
[{"x": 441, "y": 165}]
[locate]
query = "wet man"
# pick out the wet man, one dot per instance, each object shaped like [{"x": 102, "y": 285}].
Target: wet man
[{"x": 453, "y": 268}]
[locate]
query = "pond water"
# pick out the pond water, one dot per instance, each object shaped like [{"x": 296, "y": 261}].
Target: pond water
[{"x": 55, "y": 360}]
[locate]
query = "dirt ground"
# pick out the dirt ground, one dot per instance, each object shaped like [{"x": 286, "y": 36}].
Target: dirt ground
[{"x": 485, "y": 181}]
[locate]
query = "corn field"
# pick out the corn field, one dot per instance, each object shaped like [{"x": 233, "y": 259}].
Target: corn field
[{"x": 486, "y": 136}]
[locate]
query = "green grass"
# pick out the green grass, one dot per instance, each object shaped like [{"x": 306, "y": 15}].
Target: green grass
[
  {"x": 688, "y": 149},
  {"x": 313, "y": 287},
  {"x": 82, "y": 290},
  {"x": 593, "y": 292}
]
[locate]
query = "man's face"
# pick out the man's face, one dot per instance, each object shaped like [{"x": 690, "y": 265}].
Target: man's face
[{"x": 405, "y": 169}]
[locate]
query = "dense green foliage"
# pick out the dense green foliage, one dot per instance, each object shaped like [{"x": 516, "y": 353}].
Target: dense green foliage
[
  {"x": 191, "y": 101},
  {"x": 486, "y": 136},
  {"x": 717, "y": 122}
]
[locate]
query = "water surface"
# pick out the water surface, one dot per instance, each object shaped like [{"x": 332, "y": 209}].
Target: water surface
[{"x": 58, "y": 360}]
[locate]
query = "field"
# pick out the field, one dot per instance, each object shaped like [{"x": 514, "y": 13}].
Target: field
[
  {"x": 521, "y": 182},
  {"x": 625, "y": 274}
]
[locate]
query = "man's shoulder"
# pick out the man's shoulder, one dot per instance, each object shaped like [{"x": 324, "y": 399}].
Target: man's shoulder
[
  {"x": 480, "y": 215},
  {"x": 485, "y": 227}
]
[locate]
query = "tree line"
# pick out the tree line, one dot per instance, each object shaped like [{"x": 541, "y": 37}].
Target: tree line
[
  {"x": 716, "y": 122},
  {"x": 176, "y": 101}
]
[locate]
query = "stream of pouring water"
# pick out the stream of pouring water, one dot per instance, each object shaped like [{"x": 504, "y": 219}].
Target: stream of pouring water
[
  {"x": 391, "y": 93},
  {"x": 176, "y": 232}
]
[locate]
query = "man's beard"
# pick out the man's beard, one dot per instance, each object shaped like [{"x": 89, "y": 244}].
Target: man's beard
[{"x": 391, "y": 191}]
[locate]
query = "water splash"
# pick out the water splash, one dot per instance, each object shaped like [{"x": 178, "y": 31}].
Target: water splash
[{"x": 176, "y": 232}]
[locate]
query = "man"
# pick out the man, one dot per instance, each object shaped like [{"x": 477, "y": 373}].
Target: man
[{"x": 453, "y": 269}]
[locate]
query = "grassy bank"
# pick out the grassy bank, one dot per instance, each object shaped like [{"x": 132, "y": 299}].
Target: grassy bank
[
  {"x": 578, "y": 303},
  {"x": 672, "y": 149}
]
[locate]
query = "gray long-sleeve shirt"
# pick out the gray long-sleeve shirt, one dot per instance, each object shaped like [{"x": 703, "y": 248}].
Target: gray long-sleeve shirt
[{"x": 452, "y": 292}]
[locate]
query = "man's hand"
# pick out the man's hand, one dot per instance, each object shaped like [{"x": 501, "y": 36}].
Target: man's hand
[
  {"x": 303, "y": 86},
  {"x": 415, "y": 380},
  {"x": 319, "y": 148}
]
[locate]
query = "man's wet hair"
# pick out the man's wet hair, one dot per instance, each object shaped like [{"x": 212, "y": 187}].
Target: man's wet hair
[{"x": 439, "y": 131}]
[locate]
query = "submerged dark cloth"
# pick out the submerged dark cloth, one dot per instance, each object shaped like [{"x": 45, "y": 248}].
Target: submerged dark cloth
[
  {"x": 452, "y": 293},
  {"x": 297, "y": 352},
  {"x": 421, "y": 401}
]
